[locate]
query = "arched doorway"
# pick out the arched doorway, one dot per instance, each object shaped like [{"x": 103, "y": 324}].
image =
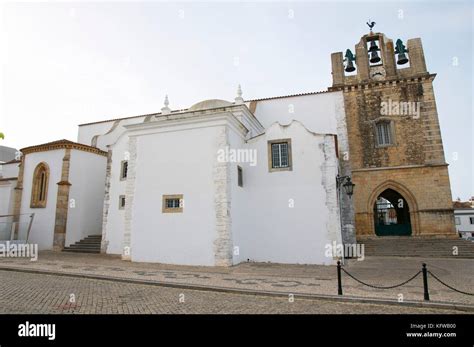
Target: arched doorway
[{"x": 391, "y": 214}]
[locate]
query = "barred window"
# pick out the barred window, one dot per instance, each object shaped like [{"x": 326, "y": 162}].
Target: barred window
[
  {"x": 121, "y": 202},
  {"x": 124, "y": 170},
  {"x": 173, "y": 203},
  {"x": 384, "y": 135},
  {"x": 240, "y": 178},
  {"x": 279, "y": 152}
]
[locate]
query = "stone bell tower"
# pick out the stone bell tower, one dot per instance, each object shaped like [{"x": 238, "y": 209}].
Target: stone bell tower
[{"x": 395, "y": 147}]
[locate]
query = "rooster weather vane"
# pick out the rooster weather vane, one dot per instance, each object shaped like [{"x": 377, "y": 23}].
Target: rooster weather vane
[{"x": 370, "y": 24}]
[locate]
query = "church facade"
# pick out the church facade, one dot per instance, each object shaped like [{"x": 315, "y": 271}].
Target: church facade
[{"x": 261, "y": 180}]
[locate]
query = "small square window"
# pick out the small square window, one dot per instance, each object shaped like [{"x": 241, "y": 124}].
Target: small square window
[
  {"x": 457, "y": 220},
  {"x": 121, "y": 202},
  {"x": 123, "y": 170},
  {"x": 173, "y": 203},
  {"x": 279, "y": 155},
  {"x": 471, "y": 219},
  {"x": 240, "y": 178}
]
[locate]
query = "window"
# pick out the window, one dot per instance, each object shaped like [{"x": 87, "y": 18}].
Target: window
[
  {"x": 123, "y": 170},
  {"x": 384, "y": 133},
  {"x": 279, "y": 155},
  {"x": 121, "y": 202},
  {"x": 39, "y": 191},
  {"x": 457, "y": 220},
  {"x": 173, "y": 203},
  {"x": 240, "y": 179},
  {"x": 471, "y": 219}
]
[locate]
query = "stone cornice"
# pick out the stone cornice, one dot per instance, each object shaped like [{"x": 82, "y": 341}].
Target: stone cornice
[
  {"x": 62, "y": 144},
  {"x": 375, "y": 84}
]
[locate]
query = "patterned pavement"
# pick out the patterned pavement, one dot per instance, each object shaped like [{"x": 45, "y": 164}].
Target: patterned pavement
[
  {"x": 26, "y": 293},
  {"x": 287, "y": 279}
]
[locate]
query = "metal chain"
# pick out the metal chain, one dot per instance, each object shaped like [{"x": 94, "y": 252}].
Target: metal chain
[
  {"x": 380, "y": 287},
  {"x": 447, "y": 285}
]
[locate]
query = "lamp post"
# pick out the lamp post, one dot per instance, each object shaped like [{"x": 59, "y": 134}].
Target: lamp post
[{"x": 346, "y": 183}]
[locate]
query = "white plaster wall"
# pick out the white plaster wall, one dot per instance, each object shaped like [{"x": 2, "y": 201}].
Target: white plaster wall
[
  {"x": 178, "y": 162},
  {"x": 9, "y": 170},
  {"x": 265, "y": 228},
  {"x": 317, "y": 112},
  {"x": 42, "y": 230},
  {"x": 108, "y": 133},
  {"x": 6, "y": 208},
  {"x": 86, "y": 195},
  {"x": 464, "y": 216},
  {"x": 7, "y": 197},
  {"x": 114, "y": 226}
]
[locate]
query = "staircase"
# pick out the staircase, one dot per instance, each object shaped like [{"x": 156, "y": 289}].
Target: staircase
[
  {"x": 403, "y": 246},
  {"x": 91, "y": 244}
]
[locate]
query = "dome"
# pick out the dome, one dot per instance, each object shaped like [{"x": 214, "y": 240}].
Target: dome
[{"x": 206, "y": 104}]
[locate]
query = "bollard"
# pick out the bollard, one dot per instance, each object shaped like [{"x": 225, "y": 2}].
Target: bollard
[
  {"x": 425, "y": 282},
  {"x": 339, "y": 281}
]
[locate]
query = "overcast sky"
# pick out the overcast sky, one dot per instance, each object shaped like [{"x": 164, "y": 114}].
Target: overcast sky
[{"x": 63, "y": 64}]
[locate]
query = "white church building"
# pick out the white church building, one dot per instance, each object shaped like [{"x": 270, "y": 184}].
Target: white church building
[{"x": 216, "y": 184}]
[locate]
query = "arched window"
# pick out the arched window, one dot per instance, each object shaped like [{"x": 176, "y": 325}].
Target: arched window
[{"x": 39, "y": 191}]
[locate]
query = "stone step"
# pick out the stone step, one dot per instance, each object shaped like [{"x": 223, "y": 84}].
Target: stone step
[
  {"x": 80, "y": 250},
  {"x": 90, "y": 244},
  {"x": 84, "y": 246},
  {"x": 417, "y": 247}
]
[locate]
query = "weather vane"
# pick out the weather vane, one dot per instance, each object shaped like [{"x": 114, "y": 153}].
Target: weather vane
[{"x": 370, "y": 24}]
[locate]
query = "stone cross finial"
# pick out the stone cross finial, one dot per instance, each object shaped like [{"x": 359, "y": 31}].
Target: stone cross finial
[
  {"x": 166, "y": 109},
  {"x": 239, "y": 99}
]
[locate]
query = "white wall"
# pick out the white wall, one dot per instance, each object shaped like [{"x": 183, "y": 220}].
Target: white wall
[
  {"x": 114, "y": 226},
  {"x": 179, "y": 162},
  {"x": 108, "y": 131},
  {"x": 8, "y": 175},
  {"x": 464, "y": 216},
  {"x": 317, "y": 112},
  {"x": 42, "y": 230},
  {"x": 87, "y": 178},
  {"x": 265, "y": 228}
]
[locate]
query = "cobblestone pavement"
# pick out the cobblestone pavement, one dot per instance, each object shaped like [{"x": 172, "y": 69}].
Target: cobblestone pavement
[
  {"x": 34, "y": 293},
  {"x": 311, "y": 279}
]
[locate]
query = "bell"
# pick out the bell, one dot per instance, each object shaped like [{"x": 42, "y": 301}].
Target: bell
[
  {"x": 350, "y": 66},
  {"x": 402, "y": 59},
  {"x": 374, "y": 57},
  {"x": 373, "y": 46}
]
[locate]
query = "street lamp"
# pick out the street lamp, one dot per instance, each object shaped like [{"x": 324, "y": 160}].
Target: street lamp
[{"x": 346, "y": 183}]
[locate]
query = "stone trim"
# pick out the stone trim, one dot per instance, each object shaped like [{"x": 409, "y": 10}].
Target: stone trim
[
  {"x": 35, "y": 187},
  {"x": 165, "y": 209},
  {"x": 269, "y": 152},
  {"x": 62, "y": 144},
  {"x": 62, "y": 204},
  {"x": 104, "y": 243},
  {"x": 222, "y": 185},
  {"x": 129, "y": 194},
  {"x": 397, "y": 167},
  {"x": 18, "y": 195}
]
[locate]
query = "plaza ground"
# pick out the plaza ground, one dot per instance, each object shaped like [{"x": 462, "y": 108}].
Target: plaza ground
[
  {"x": 106, "y": 284},
  {"x": 27, "y": 293}
]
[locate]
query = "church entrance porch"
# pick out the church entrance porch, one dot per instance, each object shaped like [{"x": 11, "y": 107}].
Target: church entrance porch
[{"x": 391, "y": 215}]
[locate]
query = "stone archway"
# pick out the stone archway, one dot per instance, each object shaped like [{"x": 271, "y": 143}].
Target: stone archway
[
  {"x": 391, "y": 214},
  {"x": 398, "y": 210}
]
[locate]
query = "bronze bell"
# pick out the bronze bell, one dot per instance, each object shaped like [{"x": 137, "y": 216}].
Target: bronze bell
[
  {"x": 373, "y": 47},
  {"x": 374, "y": 57},
  {"x": 402, "y": 59},
  {"x": 350, "y": 66}
]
